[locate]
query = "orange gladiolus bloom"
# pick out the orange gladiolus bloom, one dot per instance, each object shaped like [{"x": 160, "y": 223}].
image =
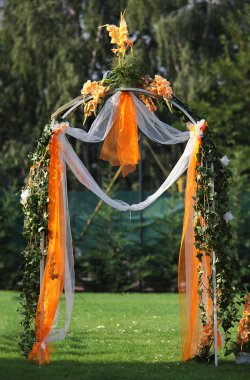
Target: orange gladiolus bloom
[
  {"x": 97, "y": 91},
  {"x": 160, "y": 86},
  {"x": 149, "y": 103},
  {"x": 119, "y": 36},
  {"x": 244, "y": 325}
]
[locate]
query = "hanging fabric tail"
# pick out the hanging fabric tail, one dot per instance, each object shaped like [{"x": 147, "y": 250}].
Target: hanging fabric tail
[
  {"x": 188, "y": 265},
  {"x": 53, "y": 279},
  {"x": 121, "y": 147}
]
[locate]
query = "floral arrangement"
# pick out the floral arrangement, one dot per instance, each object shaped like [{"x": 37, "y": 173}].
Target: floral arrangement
[
  {"x": 96, "y": 91},
  {"x": 206, "y": 341},
  {"x": 119, "y": 37},
  {"x": 158, "y": 86},
  {"x": 242, "y": 342},
  {"x": 126, "y": 72},
  {"x": 243, "y": 337}
]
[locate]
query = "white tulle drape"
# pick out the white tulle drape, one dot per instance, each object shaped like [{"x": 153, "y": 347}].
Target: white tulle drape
[
  {"x": 155, "y": 130},
  {"x": 83, "y": 176}
]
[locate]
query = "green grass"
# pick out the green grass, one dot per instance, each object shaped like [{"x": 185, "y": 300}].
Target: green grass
[{"x": 111, "y": 337}]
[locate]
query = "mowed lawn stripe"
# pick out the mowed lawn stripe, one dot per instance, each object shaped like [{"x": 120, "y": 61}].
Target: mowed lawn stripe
[{"x": 111, "y": 337}]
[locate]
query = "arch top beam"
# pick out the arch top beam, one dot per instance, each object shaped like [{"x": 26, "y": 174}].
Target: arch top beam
[{"x": 77, "y": 102}]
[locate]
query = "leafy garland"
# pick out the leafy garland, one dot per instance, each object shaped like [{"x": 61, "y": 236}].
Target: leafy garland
[
  {"x": 213, "y": 234},
  {"x": 35, "y": 207}
]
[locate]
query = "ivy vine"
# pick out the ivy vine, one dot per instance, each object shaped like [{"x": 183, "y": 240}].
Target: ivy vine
[
  {"x": 35, "y": 208},
  {"x": 213, "y": 234}
]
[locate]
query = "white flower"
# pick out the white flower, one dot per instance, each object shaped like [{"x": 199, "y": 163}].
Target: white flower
[
  {"x": 228, "y": 216},
  {"x": 196, "y": 131},
  {"x": 43, "y": 345},
  {"x": 24, "y": 196},
  {"x": 225, "y": 161}
]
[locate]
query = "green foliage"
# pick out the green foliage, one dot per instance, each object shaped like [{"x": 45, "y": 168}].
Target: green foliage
[
  {"x": 114, "y": 253},
  {"x": 213, "y": 234},
  {"x": 38, "y": 72},
  {"x": 35, "y": 229},
  {"x": 160, "y": 250},
  {"x": 10, "y": 237},
  {"x": 236, "y": 348},
  {"x": 240, "y": 202},
  {"x": 126, "y": 74},
  {"x": 105, "y": 253}
]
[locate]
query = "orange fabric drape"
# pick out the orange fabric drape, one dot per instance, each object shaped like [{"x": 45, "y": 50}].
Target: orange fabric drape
[
  {"x": 120, "y": 147},
  {"x": 187, "y": 271},
  {"x": 53, "y": 279}
]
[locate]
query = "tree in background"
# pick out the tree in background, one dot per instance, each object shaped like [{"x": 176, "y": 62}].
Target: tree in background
[
  {"x": 48, "y": 48},
  {"x": 162, "y": 250},
  {"x": 103, "y": 250}
]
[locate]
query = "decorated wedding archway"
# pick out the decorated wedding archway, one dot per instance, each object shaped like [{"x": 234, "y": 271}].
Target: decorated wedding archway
[{"x": 125, "y": 102}]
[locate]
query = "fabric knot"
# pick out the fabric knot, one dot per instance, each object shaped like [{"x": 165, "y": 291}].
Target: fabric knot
[
  {"x": 196, "y": 130},
  {"x": 58, "y": 127}
]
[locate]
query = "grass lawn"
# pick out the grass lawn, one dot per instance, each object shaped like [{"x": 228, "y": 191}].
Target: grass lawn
[{"x": 111, "y": 337}]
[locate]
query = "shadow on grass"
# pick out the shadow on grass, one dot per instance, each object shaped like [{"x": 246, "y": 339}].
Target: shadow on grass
[{"x": 21, "y": 369}]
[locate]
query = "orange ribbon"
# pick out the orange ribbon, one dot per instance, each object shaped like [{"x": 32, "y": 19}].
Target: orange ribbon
[
  {"x": 53, "y": 279},
  {"x": 120, "y": 147},
  {"x": 188, "y": 267}
]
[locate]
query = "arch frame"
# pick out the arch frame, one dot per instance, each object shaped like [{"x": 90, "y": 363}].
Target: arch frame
[{"x": 176, "y": 103}]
